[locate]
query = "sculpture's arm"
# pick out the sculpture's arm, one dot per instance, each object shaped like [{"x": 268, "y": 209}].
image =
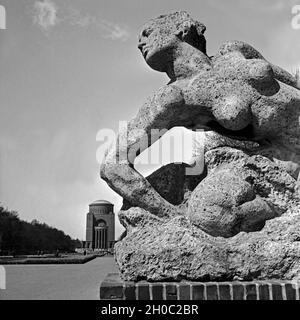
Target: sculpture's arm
[
  {"x": 284, "y": 76},
  {"x": 250, "y": 53},
  {"x": 159, "y": 112}
]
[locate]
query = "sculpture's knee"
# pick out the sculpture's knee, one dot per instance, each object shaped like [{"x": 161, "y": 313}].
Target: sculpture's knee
[{"x": 213, "y": 204}]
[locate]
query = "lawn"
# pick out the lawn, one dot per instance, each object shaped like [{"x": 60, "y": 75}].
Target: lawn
[{"x": 48, "y": 259}]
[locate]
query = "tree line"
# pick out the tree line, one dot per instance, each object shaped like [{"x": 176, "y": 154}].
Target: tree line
[{"x": 21, "y": 237}]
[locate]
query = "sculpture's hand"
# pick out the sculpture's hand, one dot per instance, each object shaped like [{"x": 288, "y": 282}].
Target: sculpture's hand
[{"x": 173, "y": 211}]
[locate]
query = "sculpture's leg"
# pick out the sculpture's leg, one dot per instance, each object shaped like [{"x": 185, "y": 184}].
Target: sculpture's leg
[
  {"x": 224, "y": 203},
  {"x": 172, "y": 183}
]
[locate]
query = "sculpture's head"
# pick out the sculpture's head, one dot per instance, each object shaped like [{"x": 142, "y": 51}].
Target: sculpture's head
[{"x": 160, "y": 36}]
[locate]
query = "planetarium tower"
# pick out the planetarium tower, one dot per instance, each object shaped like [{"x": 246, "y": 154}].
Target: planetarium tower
[{"x": 100, "y": 225}]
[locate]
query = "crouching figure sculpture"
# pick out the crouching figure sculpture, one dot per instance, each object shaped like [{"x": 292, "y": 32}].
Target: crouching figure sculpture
[{"x": 241, "y": 218}]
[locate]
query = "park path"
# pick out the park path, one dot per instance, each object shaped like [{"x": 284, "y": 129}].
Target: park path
[{"x": 70, "y": 281}]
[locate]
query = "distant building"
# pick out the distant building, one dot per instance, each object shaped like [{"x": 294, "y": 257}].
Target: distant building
[{"x": 100, "y": 225}]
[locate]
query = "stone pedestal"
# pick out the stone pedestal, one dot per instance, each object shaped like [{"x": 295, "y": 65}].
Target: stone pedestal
[{"x": 113, "y": 288}]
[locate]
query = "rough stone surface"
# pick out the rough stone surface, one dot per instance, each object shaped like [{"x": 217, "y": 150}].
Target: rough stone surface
[{"x": 240, "y": 218}]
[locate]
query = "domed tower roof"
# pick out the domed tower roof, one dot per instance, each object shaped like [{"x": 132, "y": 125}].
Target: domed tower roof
[
  {"x": 101, "y": 203},
  {"x": 100, "y": 207}
]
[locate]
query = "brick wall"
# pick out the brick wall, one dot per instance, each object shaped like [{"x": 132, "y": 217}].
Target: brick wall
[{"x": 113, "y": 288}]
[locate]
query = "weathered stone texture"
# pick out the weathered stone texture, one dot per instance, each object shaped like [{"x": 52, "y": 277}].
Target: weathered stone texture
[{"x": 240, "y": 218}]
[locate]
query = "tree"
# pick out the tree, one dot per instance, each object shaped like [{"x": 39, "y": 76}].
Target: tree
[{"x": 22, "y": 237}]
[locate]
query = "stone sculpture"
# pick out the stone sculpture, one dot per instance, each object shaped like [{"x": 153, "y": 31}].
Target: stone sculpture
[{"x": 240, "y": 219}]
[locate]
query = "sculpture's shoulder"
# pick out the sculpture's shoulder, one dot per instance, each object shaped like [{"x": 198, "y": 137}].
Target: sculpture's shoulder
[
  {"x": 245, "y": 49},
  {"x": 170, "y": 93},
  {"x": 248, "y": 51},
  {"x": 165, "y": 97},
  {"x": 158, "y": 109}
]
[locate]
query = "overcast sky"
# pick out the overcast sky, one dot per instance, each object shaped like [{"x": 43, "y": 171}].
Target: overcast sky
[{"x": 70, "y": 68}]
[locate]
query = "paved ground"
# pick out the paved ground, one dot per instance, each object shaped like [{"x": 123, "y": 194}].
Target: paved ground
[{"x": 72, "y": 281}]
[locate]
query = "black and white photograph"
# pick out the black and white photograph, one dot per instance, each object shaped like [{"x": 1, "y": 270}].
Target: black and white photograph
[{"x": 149, "y": 151}]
